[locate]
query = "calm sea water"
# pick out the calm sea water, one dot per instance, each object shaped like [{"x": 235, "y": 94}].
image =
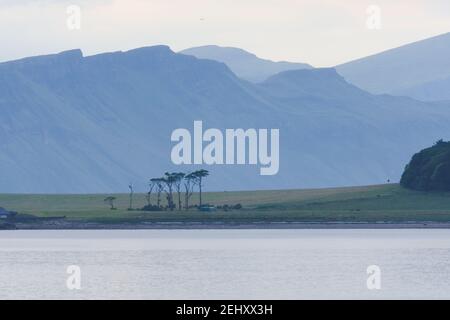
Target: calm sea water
[{"x": 225, "y": 264}]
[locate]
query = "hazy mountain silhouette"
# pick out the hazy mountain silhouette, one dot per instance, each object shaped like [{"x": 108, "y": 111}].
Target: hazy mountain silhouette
[
  {"x": 436, "y": 90},
  {"x": 244, "y": 64},
  {"x": 93, "y": 124},
  {"x": 415, "y": 69}
]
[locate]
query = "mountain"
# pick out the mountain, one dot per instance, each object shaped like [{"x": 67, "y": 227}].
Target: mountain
[
  {"x": 400, "y": 70},
  {"x": 437, "y": 90},
  {"x": 85, "y": 124},
  {"x": 244, "y": 64},
  {"x": 75, "y": 124},
  {"x": 348, "y": 134}
]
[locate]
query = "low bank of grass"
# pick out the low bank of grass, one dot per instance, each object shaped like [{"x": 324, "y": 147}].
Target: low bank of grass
[{"x": 370, "y": 203}]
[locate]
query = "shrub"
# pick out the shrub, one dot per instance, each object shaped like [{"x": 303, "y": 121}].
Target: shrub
[{"x": 151, "y": 207}]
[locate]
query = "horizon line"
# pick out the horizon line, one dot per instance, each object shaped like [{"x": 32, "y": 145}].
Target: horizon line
[{"x": 222, "y": 46}]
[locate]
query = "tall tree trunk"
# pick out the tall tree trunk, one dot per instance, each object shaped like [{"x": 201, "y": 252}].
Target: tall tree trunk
[
  {"x": 200, "y": 190},
  {"x": 131, "y": 200},
  {"x": 172, "y": 203}
]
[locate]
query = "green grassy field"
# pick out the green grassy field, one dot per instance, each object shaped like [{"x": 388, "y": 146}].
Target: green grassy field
[{"x": 371, "y": 203}]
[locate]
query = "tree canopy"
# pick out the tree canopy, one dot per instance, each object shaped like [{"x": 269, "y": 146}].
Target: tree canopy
[
  {"x": 173, "y": 182},
  {"x": 429, "y": 169}
]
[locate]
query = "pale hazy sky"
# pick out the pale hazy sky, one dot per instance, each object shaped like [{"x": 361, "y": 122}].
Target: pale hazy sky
[{"x": 320, "y": 32}]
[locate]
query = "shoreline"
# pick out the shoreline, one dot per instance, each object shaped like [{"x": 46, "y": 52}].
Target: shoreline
[{"x": 70, "y": 225}]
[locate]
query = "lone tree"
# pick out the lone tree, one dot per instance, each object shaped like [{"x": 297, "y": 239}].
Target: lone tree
[
  {"x": 190, "y": 180},
  {"x": 159, "y": 183},
  {"x": 110, "y": 201},
  {"x": 199, "y": 175},
  {"x": 130, "y": 186},
  {"x": 169, "y": 181},
  {"x": 152, "y": 185},
  {"x": 178, "y": 180}
]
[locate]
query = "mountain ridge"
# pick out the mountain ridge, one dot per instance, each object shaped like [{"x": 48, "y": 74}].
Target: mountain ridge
[
  {"x": 244, "y": 64},
  {"x": 397, "y": 70},
  {"x": 107, "y": 121}
]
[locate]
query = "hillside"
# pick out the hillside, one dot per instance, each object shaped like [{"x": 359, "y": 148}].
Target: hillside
[
  {"x": 400, "y": 70},
  {"x": 75, "y": 124},
  {"x": 429, "y": 169},
  {"x": 436, "y": 90},
  {"x": 244, "y": 64}
]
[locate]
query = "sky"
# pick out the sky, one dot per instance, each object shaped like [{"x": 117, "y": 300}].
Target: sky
[{"x": 320, "y": 32}]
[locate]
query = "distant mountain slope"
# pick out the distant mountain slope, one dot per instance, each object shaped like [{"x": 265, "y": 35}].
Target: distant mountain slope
[
  {"x": 321, "y": 82},
  {"x": 436, "y": 90},
  {"x": 244, "y": 64},
  {"x": 78, "y": 124},
  {"x": 398, "y": 70},
  {"x": 350, "y": 130}
]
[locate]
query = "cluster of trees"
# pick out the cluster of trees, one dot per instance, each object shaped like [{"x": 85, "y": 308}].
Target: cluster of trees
[
  {"x": 177, "y": 187},
  {"x": 429, "y": 169},
  {"x": 176, "y": 183}
]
